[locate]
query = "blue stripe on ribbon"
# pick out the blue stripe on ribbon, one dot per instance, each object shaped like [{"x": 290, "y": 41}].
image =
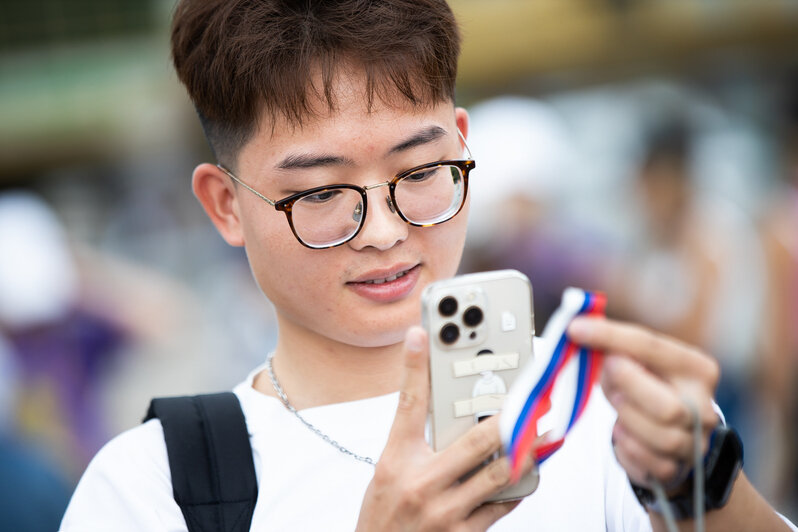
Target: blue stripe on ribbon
[
  {"x": 582, "y": 385},
  {"x": 587, "y": 304},
  {"x": 539, "y": 387}
]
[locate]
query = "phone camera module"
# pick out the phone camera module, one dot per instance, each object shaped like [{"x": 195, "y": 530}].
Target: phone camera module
[
  {"x": 449, "y": 333},
  {"x": 473, "y": 316},
  {"x": 448, "y": 306}
]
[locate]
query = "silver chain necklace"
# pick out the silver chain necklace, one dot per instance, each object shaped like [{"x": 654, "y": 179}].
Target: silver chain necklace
[{"x": 284, "y": 398}]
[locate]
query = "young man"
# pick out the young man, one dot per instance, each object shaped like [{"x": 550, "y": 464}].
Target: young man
[{"x": 296, "y": 97}]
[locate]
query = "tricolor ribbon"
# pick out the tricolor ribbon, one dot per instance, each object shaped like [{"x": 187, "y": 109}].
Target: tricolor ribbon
[{"x": 556, "y": 384}]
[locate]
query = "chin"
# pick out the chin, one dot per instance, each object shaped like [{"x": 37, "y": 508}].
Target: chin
[
  {"x": 384, "y": 340},
  {"x": 372, "y": 333}
]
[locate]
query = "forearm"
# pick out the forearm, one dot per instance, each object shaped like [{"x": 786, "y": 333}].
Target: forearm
[{"x": 746, "y": 510}]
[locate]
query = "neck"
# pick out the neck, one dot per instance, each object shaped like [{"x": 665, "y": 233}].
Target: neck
[{"x": 314, "y": 370}]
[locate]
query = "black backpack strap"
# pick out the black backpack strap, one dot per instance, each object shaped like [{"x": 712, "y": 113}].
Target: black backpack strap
[{"x": 210, "y": 457}]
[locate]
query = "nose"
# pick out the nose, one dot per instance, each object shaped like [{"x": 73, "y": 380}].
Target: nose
[{"x": 382, "y": 228}]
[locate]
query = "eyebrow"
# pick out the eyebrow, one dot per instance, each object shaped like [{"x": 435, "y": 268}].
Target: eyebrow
[
  {"x": 424, "y": 136},
  {"x": 307, "y": 160}
]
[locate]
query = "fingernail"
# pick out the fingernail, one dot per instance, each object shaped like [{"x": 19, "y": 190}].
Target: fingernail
[
  {"x": 414, "y": 340},
  {"x": 580, "y": 328}
]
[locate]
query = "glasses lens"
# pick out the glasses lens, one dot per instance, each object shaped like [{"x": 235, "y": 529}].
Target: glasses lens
[
  {"x": 430, "y": 195},
  {"x": 327, "y": 217}
]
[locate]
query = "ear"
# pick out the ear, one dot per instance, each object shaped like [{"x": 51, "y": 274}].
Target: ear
[
  {"x": 215, "y": 191},
  {"x": 461, "y": 116}
]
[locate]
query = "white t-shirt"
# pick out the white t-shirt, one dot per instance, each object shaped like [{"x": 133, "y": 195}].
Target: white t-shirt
[{"x": 307, "y": 484}]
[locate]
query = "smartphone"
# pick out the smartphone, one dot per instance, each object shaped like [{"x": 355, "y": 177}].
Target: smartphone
[{"x": 480, "y": 329}]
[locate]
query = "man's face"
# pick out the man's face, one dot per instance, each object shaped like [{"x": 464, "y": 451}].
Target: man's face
[{"x": 332, "y": 292}]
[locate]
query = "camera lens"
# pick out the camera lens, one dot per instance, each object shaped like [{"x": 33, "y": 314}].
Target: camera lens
[
  {"x": 472, "y": 316},
  {"x": 447, "y": 306},
  {"x": 450, "y": 333}
]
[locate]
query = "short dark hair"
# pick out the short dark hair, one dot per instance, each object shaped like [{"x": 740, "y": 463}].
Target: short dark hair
[{"x": 238, "y": 58}]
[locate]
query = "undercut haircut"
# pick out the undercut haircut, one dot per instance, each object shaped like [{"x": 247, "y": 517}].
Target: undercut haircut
[{"x": 243, "y": 59}]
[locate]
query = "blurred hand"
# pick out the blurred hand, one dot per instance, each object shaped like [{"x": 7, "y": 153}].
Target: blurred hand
[
  {"x": 651, "y": 380},
  {"x": 415, "y": 488}
]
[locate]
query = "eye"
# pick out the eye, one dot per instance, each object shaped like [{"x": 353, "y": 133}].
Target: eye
[
  {"x": 421, "y": 175},
  {"x": 322, "y": 197}
]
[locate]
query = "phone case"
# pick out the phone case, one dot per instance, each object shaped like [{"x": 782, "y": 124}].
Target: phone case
[{"x": 480, "y": 330}]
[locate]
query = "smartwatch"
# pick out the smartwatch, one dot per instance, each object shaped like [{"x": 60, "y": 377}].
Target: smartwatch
[{"x": 722, "y": 464}]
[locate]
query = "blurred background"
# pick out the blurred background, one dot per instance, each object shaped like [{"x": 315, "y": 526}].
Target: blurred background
[{"x": 647, "y": 148}]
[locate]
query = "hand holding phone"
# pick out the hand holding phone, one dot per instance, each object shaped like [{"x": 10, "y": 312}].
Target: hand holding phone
[{"x": 415, "y": 488}]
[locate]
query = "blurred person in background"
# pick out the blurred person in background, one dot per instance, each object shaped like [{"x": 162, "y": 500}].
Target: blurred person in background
[
  {"x": 94, "y": 334},
  {"x": 780, "y": 351},
  {"x": 694, "y": 269},
  {"x": 62, "y": 347},
  {"x": 34, "y": 490},
  {"x": 517, "y": 219}
]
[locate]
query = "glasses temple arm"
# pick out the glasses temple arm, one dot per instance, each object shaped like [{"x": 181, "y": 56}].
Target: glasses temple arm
[
  {"x": 237, "y": 180},
  {"x": 463, "y": 140}
]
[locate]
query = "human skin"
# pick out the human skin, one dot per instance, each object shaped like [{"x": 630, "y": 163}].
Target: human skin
[{"x": 336, "y": 343}]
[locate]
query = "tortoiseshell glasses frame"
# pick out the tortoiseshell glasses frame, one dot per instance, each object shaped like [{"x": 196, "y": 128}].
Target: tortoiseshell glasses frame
[{"x": 286, "y": 205}]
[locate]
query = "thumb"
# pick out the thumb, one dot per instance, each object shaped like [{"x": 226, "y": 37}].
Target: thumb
[{"x": 411, "y": 414}]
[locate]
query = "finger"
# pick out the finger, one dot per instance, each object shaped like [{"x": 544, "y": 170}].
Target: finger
[
  {"x": 411, "y": 413},
  {"x": 663, "y": 355},
  {"x": 642, "y": 464},
  {"x": 487, "y": 514},
  {"x": 665, "y": 440},
  {"x": 468, "y": 451},
  {"x": 634, "y": 470},
  {"x": 626, "y": 381},
  {"x": 699, "y": 403},
  {"x": 487, "y": 482}
]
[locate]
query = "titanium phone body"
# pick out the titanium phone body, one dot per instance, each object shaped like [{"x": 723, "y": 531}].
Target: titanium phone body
[{"x": 480, "y": 329}]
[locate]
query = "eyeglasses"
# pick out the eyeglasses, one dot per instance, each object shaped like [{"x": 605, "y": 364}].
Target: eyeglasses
[{"x": 331, "y": 215}]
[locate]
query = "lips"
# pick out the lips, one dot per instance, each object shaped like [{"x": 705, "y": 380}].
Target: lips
[
  {"x": 387, "y": 279},
  {"x": 382, "y": 275},
  {"x": 386, "y": 285}
]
